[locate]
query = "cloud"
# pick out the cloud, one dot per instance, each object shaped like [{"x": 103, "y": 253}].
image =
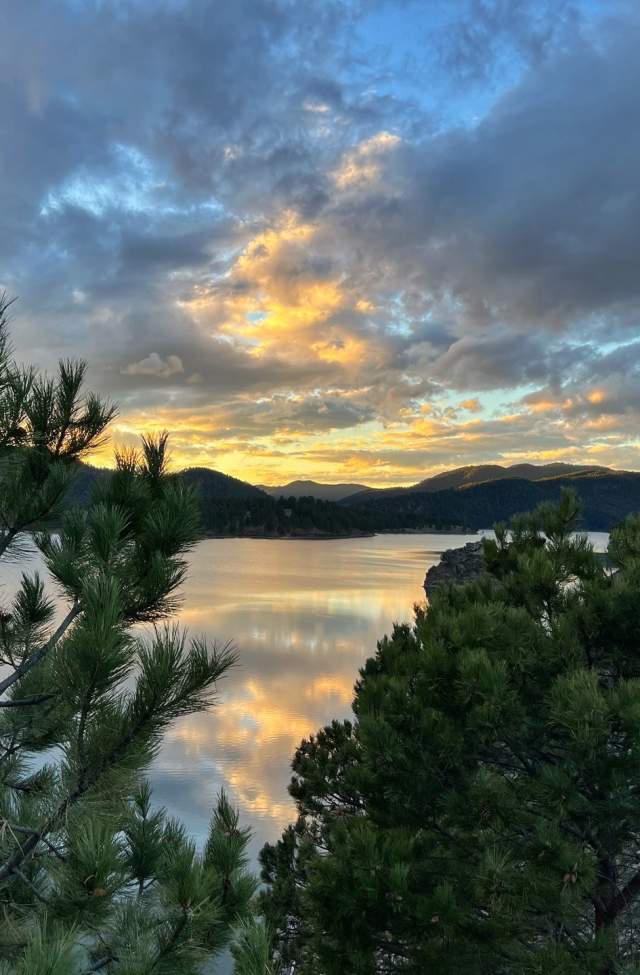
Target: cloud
[
  {"x": 362, "y": 165},
  {"x": 486, "y": 33},
  {"x": 154, "y": 365},
  {"x": 472, "y": 405},
  {"x": 529, "y": 218},
  {"x": 396, "y": 249}
]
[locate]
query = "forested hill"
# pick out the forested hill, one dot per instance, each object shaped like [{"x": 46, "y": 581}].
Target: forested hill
[
  {"x": 313, "y": 489},
  {"x": 215, "y": 486},
  {"x": 210, "y": 485},
  {"x": 480, "y": 473},
  {"x": 607, "y": 498},
  {"x": 472, "y": 474},
  {"x": 230, "y": 506},
  {"x": 268, "y": 517}
]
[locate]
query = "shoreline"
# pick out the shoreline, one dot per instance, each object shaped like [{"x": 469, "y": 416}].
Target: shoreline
[
  {"x": 313, "y": 537},
  {"x": 290, "y": 538}
]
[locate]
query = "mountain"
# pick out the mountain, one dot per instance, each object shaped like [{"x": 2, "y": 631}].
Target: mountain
[
  {"x": 468, "y": 497},
  {"x": 463, "y": 477},
  {"x": 210, "y": 485},
  {"x": 84, "y": 480},
  {"x": 232, "y": 507},
  {"x": 607, "y": 497},
  {"x": 213, "y": 485},
  {"x": 479, "y": 474},
  {"x": 312, "y": 489}
]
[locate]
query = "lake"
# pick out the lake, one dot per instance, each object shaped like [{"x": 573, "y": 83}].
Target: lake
[{"x": 304, "y": 615}]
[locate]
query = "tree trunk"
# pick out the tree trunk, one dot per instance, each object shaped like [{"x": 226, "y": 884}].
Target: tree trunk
[{"x": 605, "y": 913}]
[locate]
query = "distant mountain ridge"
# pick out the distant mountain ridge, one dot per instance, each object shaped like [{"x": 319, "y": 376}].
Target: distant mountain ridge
[
  {"x": 481, "y": 473},
  {"x": 216, "y": 485},
  {"x": 313, "y": 489},
  {"x": 478, "y": 496},
  {"x": 607, "y": 497},
  {"x": 474, "y": 474},
  {"x": 456, "y": 478},
  {"x": 469, "y": 497}
]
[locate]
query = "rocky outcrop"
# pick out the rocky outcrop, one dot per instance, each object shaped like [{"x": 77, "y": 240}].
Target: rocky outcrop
[{"x": 456, "y": 565}]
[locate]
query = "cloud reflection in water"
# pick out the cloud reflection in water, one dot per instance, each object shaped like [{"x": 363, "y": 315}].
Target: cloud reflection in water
[{"x": 304, "y": 616}]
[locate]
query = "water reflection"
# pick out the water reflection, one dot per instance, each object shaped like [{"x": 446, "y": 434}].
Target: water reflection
[{"x": 304, "y": 616}]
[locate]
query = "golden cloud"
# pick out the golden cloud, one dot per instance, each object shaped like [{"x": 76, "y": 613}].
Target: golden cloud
[{"x": 362, "y": 165}]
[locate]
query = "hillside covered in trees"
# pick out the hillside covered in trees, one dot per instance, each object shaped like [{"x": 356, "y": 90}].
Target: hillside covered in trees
[
  {"x": 229, "y": 506},
  {"x": 286, "y": 518},
  {"x": 607, "y": 497}
]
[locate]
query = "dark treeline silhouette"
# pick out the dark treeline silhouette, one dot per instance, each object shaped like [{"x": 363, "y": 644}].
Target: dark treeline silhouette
[{"x": 229, "y": 506}]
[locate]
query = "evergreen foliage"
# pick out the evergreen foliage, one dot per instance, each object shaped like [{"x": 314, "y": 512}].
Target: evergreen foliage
[
  {"x": 231, "y": 507},
  {"x": 45, "y": 425},
  {"x": 284, "y": 518},
  {"x": 606, "y": 497},
  {"x": 92, "y": 878},
  {"x": 481, "y": 813}
]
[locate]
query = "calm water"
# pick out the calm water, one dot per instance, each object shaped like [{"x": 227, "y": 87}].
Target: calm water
[{"x": 304, "y": 616}]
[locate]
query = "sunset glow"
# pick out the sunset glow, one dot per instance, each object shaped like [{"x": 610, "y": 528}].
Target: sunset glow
[{"x": 305, "y": 268}]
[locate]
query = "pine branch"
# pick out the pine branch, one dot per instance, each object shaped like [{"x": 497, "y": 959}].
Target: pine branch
[
  {"x": 84, "y": 714},
  {"x": 8, "y": 535},
  {"x": 29, "y": 662},
  {"x": 25, "y": 880},
  {"x": 101, "y": 963},
  {"x": 171, "y": 943},
  {"x": 624, "y": 898},
  {"x": 147, "y": 720},
  {"x": 24, "y": 702},
  {"x": 13, "y": 828}
]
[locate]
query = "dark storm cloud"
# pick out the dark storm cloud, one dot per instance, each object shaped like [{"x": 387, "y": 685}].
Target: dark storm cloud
[
  {"x": 178, "y": 81},
  {"x": 212, "y": 368},
  {"x": 531, "y": 218},
  {"x": 598, "y": 384},
  {"x": 282, "y": 413},
  {"x": 154, "y": 251}
]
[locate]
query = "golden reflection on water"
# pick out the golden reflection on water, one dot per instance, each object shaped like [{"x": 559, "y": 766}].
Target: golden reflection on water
[{"x": 304, "y": 616}]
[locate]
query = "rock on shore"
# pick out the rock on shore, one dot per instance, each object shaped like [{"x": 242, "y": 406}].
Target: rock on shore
[{"x": 456, "y": 565}]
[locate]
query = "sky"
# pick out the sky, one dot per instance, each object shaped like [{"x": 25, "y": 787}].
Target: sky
[{"x": 359, "y": 240}]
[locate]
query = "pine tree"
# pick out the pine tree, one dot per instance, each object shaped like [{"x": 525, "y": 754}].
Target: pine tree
[
  {"x": 92, "y": 878},
  {"x": 481, "y": 814}
]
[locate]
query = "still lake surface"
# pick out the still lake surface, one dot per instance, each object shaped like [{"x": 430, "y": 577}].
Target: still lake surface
[{"x": 304, "y": 616}]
